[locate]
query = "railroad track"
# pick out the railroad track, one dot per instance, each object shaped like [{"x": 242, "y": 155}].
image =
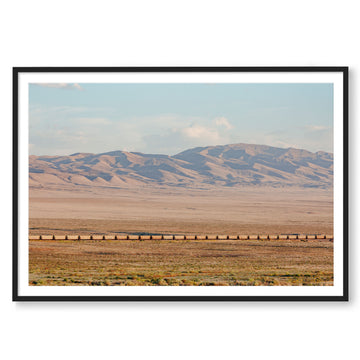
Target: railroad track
[{"x": 183, "y": 237}]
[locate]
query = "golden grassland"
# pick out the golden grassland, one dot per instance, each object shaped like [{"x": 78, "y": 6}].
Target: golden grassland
[{"x": 181, "y": 263}]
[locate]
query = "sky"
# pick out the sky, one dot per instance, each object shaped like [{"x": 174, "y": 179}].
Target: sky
[{"x": 169, "y": 118}]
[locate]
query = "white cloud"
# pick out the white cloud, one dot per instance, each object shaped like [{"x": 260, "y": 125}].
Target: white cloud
[
  {"x": 316, "y": 127},
  {"x": 92, "y": 121},
  {"x": 197, "y": 131},
  {"x": 66, "y": 111},
  {"x": 222, "y": 121},
  {"x": 310, "y": 137},
  {"x": 65, "y": 86},
  {"x": 77, "y": 87}
]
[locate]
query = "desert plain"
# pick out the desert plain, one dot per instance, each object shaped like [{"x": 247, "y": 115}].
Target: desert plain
[
  {"x": 165, "y": 210},
  {"x": 155, "y": 210}
]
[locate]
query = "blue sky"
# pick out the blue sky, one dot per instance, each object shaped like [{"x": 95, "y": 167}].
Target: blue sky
[{"x": 169, "y": 118}]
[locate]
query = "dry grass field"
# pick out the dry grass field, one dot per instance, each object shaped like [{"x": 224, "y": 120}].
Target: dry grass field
[
  {"x": 180, "y": 211},
  {"x": 181, "y": 263}
]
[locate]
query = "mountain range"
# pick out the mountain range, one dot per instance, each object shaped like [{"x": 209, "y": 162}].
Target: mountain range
[{"x": 202, "y": 167}]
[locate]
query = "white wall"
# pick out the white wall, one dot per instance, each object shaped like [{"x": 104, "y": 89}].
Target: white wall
[{"x": 222, "y": 33}]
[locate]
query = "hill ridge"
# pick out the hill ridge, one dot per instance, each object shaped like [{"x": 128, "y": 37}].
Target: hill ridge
[{"x": 201, "y": 167}]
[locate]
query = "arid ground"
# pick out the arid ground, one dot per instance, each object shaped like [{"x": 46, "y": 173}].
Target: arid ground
[
  {"x": 180, "y": 263},
  {"x": 181, "y": 211}
]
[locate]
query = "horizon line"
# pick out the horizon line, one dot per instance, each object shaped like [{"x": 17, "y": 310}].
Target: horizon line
[{"x": 192, "y": 148}]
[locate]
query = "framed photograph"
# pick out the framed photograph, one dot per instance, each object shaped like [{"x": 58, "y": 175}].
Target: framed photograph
[{"x": 180, "y": 184}]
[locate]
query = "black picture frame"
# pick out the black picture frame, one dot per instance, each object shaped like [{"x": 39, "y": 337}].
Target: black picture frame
[{"x": 17, "y": 71}]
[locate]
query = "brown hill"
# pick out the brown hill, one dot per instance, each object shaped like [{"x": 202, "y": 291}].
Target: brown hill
[{"x": 203, "y": 167}]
